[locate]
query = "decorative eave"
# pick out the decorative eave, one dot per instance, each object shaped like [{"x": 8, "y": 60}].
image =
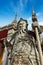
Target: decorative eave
[
  {"x": 4, "y": 30},
  {"x": 8, "y": 27}
]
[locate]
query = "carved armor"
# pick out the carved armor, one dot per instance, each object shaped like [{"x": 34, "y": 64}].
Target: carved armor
[{"x": 23, "y": 50}]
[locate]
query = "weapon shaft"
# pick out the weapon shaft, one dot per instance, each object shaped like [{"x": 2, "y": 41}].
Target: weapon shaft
[{"x": 39, "y": 46}]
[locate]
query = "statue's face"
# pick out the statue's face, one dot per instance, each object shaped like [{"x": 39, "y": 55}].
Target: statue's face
[{"x": 22, "y": 25}]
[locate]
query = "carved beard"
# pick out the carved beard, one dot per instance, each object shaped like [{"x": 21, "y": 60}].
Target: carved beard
[{"x": 23, "y": 31}]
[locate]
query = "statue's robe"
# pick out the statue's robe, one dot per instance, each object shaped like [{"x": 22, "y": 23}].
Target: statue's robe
[
  {"x": 42, "y": 36},
  {"x": 24, "y": 51}
]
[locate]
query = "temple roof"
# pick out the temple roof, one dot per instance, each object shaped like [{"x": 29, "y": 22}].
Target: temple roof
[{"x": 41, "y": 28}]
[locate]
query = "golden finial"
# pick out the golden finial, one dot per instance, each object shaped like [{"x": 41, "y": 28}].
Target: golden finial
[
  {"x": 16, "y": 15},
  {"x": 15, "y": 19},
  {"x": 33, "y": 10}
]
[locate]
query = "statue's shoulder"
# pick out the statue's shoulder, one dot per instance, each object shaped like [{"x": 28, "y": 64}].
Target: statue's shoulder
[
  {"x": 31, "y": 33},
  {"x": 14, "y": 36}
]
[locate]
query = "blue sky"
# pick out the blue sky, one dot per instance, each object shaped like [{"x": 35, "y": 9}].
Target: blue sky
[{"x": 8, "y": 9}]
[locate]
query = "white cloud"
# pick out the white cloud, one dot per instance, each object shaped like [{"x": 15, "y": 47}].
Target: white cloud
[
  {"x": 19, "y": 6},
  {"x": 38, "y": 14},
  {"x": 29, "y": 27},
  {"x": 29, "y": 19},
  {"x": 39, "y": 18},
  {"x": 23, "y": 3},
  {"x": 42, "y": 35},
  {"x": 40, "y": 23},
  {"x": 13, "y": 7},
  {"x": 30, "y": 23}
]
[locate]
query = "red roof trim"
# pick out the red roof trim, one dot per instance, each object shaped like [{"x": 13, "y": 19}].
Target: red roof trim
[{"x": 3, "y": 34}]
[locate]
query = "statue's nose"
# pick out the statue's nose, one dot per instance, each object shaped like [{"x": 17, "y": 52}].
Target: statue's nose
[{"x": 20, "y": 26}]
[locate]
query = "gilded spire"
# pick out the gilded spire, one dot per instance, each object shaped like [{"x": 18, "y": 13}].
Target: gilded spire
[
  {"x": 15, "y": 19},
  {"x": 33, "y": 10},
  {"x": 16, "y": 16},
  {"x": 34, "y": 17}
]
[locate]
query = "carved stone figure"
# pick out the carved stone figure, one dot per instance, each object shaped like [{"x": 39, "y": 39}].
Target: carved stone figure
[{"x": 23, "y": 50}]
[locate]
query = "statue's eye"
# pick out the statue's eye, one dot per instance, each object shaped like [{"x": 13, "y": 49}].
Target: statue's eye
[
  {"x": 24, "y": 29},
  {"x": 20, "y": 24},
  {"x": 20, "y": 32}
]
